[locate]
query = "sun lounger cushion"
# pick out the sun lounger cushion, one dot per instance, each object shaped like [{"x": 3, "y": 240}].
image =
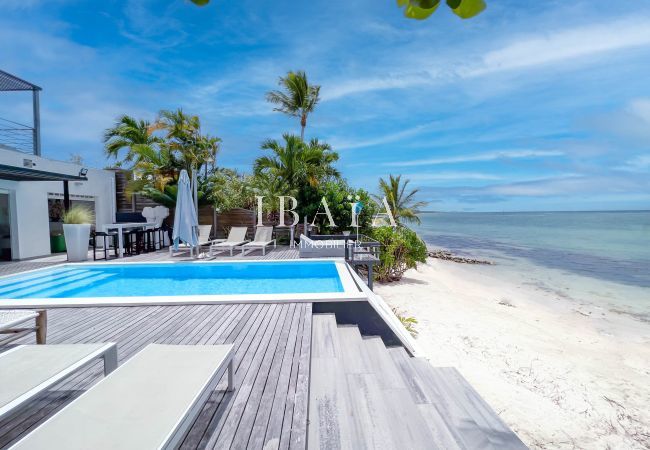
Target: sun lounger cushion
[
  {"x": 28, "y": 370},
  {"x": 236, "y": 235},
  {"x": 263, "y": 238},
  {"x": 149, "y": 402}
]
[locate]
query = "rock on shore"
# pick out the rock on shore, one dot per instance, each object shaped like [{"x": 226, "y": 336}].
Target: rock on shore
[{"x": 448, "y": 256}]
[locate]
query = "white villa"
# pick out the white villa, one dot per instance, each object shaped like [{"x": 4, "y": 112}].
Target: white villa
[{"x": 33, "y": 188}]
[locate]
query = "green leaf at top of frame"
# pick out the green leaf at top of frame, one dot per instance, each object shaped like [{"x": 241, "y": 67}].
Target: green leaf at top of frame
[
  {"x": 466, "y": 9},
  {"x": 425, "y": 4},
  {"x": 420, "y": 9},
  {"x": 200, "y": 2}
]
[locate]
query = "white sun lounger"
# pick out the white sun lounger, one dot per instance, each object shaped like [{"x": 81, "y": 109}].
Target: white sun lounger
[
  {"x": 263, "y": 238},
  {"x": 203, "y": 239},
  {"x": 149, "y": 402},
  {"x": 28, "y": 370},
  {"x": 236, "y": 237},
  {"x": 12, "y": 324}
]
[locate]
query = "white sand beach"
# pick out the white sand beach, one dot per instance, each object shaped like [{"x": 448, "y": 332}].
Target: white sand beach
[{"x": 562, "y": 371}]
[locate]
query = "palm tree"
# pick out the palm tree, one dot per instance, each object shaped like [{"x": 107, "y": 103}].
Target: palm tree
[
  {"x": 210, "y": 146},
  {"x": 182, "y": 135},
  {"x": 153, "y": 168},
  {"x": 320, "y": 158},
  {"x": 127, "y": 133},
  {"x": 401, "y": 203},
  {"x": 271, "y": 187},
  {"x": 297, "y": 99},
  {"x": 297, "y": 163},
  {"x": 286, "y": 163}
]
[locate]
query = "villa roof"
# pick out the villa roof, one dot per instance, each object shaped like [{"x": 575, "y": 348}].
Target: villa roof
[
  {"x": 25, "y": 174},
  {"x": 9, "y": 82}
]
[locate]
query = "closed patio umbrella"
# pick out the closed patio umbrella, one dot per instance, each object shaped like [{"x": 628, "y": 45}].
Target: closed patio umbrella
[{"x": 185, "y": 219}]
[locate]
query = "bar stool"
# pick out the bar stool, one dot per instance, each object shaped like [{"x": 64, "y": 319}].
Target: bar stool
[
  {"x": 150, "y": 239},
  {"x": 160, "y": 234},
  {"x": 131, "y": 242},
  {"x": 106, "y": 237},
  {"x": 140, "y": 241}
]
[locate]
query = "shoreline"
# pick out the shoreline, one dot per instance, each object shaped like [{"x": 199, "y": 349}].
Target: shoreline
[{"x": 561, "y": 371}]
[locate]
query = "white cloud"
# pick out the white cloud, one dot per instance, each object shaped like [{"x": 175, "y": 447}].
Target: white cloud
[
  {"x": 385, "y": 139},
  {"x": 560, "y": 46},
  {"x": 641, "y": 109},
  {"x": 479, "y": 157},
  {"x": 335, "y": 90},
  {"x": 632, "y": 122},
  {"x": 640, "y": 163},
  {"x": 450, "y": 176},
  {"x": 569, "y": 184},
  {"x": 568, "y": 46}
]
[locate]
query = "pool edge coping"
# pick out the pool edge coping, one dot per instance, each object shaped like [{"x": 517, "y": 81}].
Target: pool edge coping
[{"x": 351, "y": 291}]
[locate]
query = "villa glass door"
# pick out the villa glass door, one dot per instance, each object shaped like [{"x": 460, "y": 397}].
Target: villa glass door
[{"x": 5, "y": 228}]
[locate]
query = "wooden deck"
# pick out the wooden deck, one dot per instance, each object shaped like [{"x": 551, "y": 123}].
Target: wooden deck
[
  {"x": 268, "y": 408},
  {"x": 361, "y": 394}
]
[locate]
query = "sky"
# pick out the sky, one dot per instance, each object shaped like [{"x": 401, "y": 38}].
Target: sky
[{"x": 533, "y": 105}]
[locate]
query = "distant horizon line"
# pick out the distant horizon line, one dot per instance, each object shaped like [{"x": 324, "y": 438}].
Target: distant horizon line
[{"x": 543, "y": 211}]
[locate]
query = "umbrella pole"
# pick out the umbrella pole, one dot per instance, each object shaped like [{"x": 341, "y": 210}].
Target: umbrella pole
[{"x": 195, "y": 193}]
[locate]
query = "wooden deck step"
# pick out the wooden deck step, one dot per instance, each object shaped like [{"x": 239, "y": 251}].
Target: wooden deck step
[
  {"x": 358, "y": 398},
  {"x": 408, "y": 426},
  {"x": 365, "y": 396},
  {"x": 328, "y": 422},
  {"x": 460, "y": 397},
  {"x": 354, "y": 356},
  {"x": 453, "y": 409},
  {"x": 369, "y": 417}
]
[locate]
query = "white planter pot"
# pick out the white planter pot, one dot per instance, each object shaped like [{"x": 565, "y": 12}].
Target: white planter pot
[{"x": 77, "y": 237}]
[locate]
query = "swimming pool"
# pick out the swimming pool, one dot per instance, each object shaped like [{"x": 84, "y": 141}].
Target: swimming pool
[{"x": 177, "y": 282}]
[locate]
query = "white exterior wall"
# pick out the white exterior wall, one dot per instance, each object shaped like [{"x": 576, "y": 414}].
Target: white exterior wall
[{"x": 30, "y": 228}]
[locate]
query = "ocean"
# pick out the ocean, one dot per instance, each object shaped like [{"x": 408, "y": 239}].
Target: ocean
[{"x": 611, "y": 247}]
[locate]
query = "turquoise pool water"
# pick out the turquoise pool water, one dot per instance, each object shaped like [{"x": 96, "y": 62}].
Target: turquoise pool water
[{"x": 177, "y": 279}]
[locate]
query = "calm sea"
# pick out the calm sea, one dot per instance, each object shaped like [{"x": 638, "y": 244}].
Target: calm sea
[{"x": 611, "y": 246}]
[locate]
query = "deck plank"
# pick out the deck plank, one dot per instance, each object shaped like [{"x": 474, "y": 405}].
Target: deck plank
[
  {"x": 277, "y": 402},
  {"x": 255, "y": 416},
  {"x": 248, "y": 396},
  {"x": 285, "y": 432},
  {"x": 209, "y": 417},
  {"x": 228, "y": 416},
  {"x": 301, "y": 402}
]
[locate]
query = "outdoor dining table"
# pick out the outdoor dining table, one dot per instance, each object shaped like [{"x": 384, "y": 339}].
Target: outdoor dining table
[{"x": 120, "y": 227}]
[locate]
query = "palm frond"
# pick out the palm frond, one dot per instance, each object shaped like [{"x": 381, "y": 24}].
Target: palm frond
[{"x": 400, "y": 200}]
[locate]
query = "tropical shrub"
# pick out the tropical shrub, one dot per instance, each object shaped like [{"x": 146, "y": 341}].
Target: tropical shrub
[
  {"x": 401, "y": 249},
  {"x": 229, "y": 190},
  {"x": 78, "y": 215}
]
